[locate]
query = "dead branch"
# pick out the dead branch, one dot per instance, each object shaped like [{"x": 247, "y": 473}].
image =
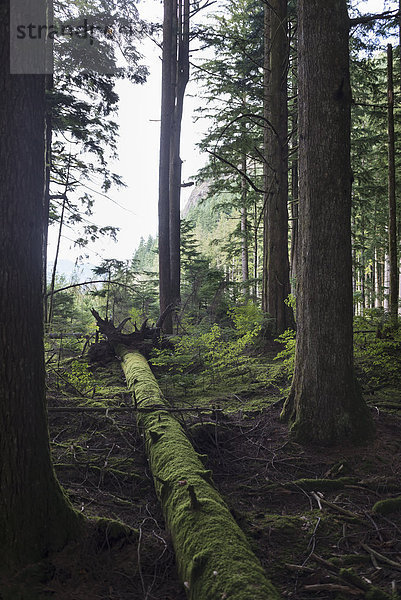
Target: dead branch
[
  {"x": 74, "y": 285},
  {"x": 365, "y": 19},
  {"x": 381, "y": 557}
]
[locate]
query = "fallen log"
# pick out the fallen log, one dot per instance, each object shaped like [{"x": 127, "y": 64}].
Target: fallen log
[
  {"x": 213, "y": 557},
  {"x": 214, "y": 560}
]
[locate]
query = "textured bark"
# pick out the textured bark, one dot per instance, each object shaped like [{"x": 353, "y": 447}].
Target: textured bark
[
  {"x": 392, "y": 219},
  {"x": 244, "y": 250},
  {"x": 277, "y": 266},
  {"x": 212, "y": 554},
  {"x": 325, "y": 404},
  {"x": 46, "y": 204},
  {"x": 167, "y": 110},
  {"x": 175, "y": 75},
  {"x": 181, "y": 76},
  {"x": 294, "y": 170},
  {"x": 35, "y": 517},
  {"x": 244, "y": 231},
  {"x": 294, "y": 229},
  {"x": 267, "y": 133}
]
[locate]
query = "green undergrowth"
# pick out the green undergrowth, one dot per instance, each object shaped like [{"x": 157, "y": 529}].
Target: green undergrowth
[
  {"x": 222, "y": 366},
  {"x": 377, "y": 351},
  {"x": 88, "y": 385}
]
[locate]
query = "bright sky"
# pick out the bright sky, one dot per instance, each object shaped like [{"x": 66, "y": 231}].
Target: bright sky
[
  {"x": 139, "y": 115},
  {"x": 139, "y": 120}
]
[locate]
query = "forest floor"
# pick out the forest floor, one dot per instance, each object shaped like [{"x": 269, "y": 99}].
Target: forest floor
[{"x": 316, "y": 539}]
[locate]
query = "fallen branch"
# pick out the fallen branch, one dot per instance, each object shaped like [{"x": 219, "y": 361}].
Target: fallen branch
[
  {"x": 381, "y": 557},
  {"x": 339, "y": 509},
  {"x": 171, "y": 409},
  {"x": 332, "y": 587}
]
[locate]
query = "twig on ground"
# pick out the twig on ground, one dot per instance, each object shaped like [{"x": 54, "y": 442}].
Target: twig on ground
[{"x": 381, "y": 557}]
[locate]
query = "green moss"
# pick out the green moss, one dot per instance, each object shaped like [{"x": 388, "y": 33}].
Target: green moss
[
  {"x": 386, "y": 507},
  {"x": 214, "y": 559},
  {"x": 109, "y": 531}
]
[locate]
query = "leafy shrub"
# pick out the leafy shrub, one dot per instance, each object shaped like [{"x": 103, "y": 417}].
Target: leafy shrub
[
  {"x": 219, "y": 351},
  {"x": 379, "y": 359},
  {"x": 246, "y": 317},
  {"x": 287, "y": 355},
  {"x": 80, "y": 376}
]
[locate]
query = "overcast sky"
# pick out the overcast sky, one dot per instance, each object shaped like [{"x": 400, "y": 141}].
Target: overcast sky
[{"x": 139, "y": 115}]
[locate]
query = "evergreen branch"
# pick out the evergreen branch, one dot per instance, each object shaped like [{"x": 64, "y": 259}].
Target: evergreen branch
[
  {"x": 230, "y": 164},
  {"x": 74, "y": 285},
  {"x": 200, "y": 8},
  {"x": 381, "y": 106},
  {"x": 252, "y": 116}
]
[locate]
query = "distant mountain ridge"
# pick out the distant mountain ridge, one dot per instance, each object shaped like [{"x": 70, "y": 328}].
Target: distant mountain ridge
[
  {"x": 69, "y": 267},
  {"x": 198, "y": 193}
]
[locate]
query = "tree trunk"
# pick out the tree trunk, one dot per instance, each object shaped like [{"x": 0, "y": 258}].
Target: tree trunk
[
  {"x": 181, "y": 73},
  {"x": 244, "y": 232},
  {"x": 54, "y": 271},
  {"x": 256, "y": 222},
  {"x": 212, "y": 554},
  {"x": 294, "y": 171},
  {"x": 267, "y": 133},
  {"x": 294, "y": 229},
  {"x": 277, "y": 275},
  {"x": 167, "y": 110},
  {"x": 392, "y": 219},
  {"x": 46, "y": 204},
  {"x": 325, "y": 404},
  {"x": 35, "y": 516}
]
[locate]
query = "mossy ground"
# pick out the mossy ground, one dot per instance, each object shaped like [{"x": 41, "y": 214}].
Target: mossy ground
[{"x": 293, "y": 529}]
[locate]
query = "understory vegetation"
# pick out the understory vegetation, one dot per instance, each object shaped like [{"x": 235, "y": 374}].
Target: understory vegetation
[{"x": 322, "y": 525}]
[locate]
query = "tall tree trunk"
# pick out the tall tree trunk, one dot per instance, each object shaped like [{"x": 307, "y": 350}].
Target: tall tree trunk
[
  {"x": 244, "y": 250},
  {"x": 167, "y": 110},
  {"x": 362, "y": 269},
  {"x": 325, "y": 404},
  {"x": 294, "y": 169},
  {"x": 244, "y": 231},
  {"x": 46, "y": 204},
  {"x": 392, "y": 219},
  {"x": 278, "y": 282},
  {"x": 35, "y": 516},
  {"x": 256, "y": 222},
  {"x": 54, "y": 270},
  {"x": 267, "y": 133},
  {"x": 175, "y": 75},
  {"x": 182, "y": 76},
  {"x": 294, "y": 228},
  {"x": 386, "y": 282}
]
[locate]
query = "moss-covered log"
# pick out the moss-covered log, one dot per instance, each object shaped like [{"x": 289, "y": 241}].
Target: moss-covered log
[{"x": 214, "y": 559}]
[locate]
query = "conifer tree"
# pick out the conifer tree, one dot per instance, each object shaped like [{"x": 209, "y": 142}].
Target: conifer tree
[
  {"x": 325, "y": 404},
  {"x": 35, "y": 516}
]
